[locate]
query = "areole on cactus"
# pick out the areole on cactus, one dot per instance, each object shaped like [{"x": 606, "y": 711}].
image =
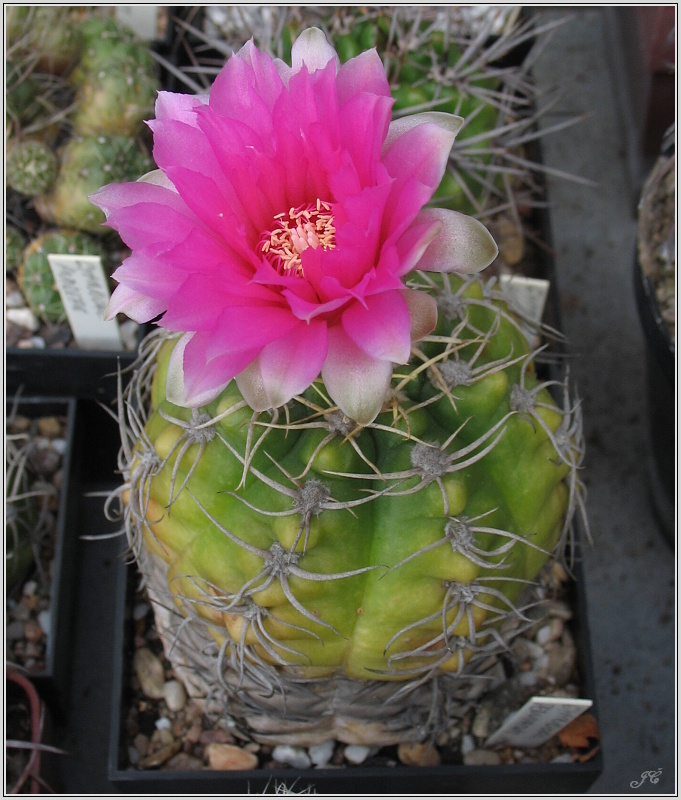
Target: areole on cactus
[{"x": 342, "y": 474}]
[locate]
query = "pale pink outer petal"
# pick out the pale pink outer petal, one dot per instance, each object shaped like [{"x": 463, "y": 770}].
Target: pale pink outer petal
[
  {"x": 285, "y": 367},
  {"x": 136, "y": 306},
  {"x": 357, "y": 383},
  {"x": 364, "y": 73},
  {"x": 312, "y": 49},
  {"x": 398, "y": 127},
  {"x": 380, "y": 327},
  {"x": 175, "y": 379},
  {"x": 422, "y": 313},
  {"x": 194, "y": 381},
  {"x": 463, "y": 245}
]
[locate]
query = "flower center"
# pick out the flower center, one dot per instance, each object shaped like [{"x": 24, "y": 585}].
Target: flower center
[{"x": 309, "y": 225}]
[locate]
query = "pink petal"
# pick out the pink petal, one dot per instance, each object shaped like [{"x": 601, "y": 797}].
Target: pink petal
[
  {"x": 357, "y": 383},
  {"x": 381, "y": 328},
  {"x": 285, "y": 368},
  {"x": 248, "y": 327},
  {"x": 413, "y": 243},
  {"x": 363, "y": 74},
  {"x": 463, "y": 245},
  {"x": 177, "y": 106},
  {"x": 400, "y": 126},
  {"x": 192, "y": 379}
]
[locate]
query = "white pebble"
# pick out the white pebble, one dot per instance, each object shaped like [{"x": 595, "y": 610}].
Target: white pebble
[
  {"x": 15, "y": 299},
  {"x": 23, "y": 317},
  {"x": 467, "y": 744},
  {"x": 293, "y": 756},
  {"x": 175, "y": 695},
  {"x": 59, "y": 445},
  {"x": 322, "y": 753},
  {"x": 33, "y": 343},
  {"x": 163, "y": 723},
  {"x": 543, "y": 635},
  {"x": 358, "y": 753},
  {"x": 44, "y": 620},
  {"x": 140, "y": 611}
]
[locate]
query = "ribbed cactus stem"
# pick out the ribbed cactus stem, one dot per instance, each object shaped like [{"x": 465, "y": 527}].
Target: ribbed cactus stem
[{"x": 296, "y": 559}]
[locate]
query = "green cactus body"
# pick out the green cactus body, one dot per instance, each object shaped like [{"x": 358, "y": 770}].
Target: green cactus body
[
  {"x": 31, "y": 167},
  {"x": 393, "y": 552},
  {"x": 15, "y": 242},
  {"x": 35, "y": 277},
  {"x": 48, "y": 35},
  {"x": 102, "y": 38},
  {"x": 117, "y": 98},
  {"x": 86, "y": 164}
]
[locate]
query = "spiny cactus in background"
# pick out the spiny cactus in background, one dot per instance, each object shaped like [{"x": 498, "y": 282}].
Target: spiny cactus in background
[
  {"x": 31, "y": 167},
  {"x": 86, "y": 163},
  {"x": 35, "y": 277},
  {"x": 436, "y": 58},
  {"x": 117, "y": 81},
  {"x": 48, "y": 36}
]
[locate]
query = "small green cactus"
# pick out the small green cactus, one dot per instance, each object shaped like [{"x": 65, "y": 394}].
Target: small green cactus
[
  {"x": 117, "y": 80},
  {"x": 48, "y": 35},
  {"x": 15, "y": 242},
  {"x": 31, "y": 167},
  {"x": 35, "y": 277},
  {"x": 86, "y": 164},
  {"x": 118, "y": 96}
]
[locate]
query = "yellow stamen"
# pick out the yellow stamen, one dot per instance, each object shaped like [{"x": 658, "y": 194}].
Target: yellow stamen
[{"x": 309, "y": 225}]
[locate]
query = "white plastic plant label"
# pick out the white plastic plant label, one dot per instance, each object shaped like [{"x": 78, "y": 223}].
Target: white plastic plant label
[
  {"x": 146, "y": 21},
  {"x": 537, "y": 721},
  {"x": 528, "y": 296},
  {"x": 83, "y": 288}
]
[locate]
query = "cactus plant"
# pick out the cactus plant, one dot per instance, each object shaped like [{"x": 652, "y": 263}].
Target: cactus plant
[
  {"x": 117, "y": 80},
  {"x": 35, "y": 277},
  {"x": 85, "y": 164},
  {"x": 15, "y": 242},
  {"x": 345, "y": 475},
  {"x": 31, "y": 167},
  {"x": 435, "y": 60}
]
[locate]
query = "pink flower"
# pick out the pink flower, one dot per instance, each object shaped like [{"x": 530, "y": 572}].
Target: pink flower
[{"x": 286, "y": 211}]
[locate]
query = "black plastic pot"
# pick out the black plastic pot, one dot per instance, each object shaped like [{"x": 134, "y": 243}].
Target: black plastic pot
[
  {"x": 661, "y": 380},
  {"x": 53, "y": 681},
  {"x": 90, "y": 374}
]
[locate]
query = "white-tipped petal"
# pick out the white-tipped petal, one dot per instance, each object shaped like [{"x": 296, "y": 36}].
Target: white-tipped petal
[
  {"x": 357, "y": 383},
  {"x": 158, "y": 178},
  {"x": 252, "y": 387},
  {"x": 175, "y": 374},
  {"x": 463, "y": 245},
  {"x": 398, "y": 127},
  {"x": 313, "y": 50}
]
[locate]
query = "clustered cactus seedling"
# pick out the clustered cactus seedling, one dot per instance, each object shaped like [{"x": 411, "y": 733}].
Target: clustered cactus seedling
[
  {"x": 80, "y": 86},
  {"x": 344, "y": 477}
]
